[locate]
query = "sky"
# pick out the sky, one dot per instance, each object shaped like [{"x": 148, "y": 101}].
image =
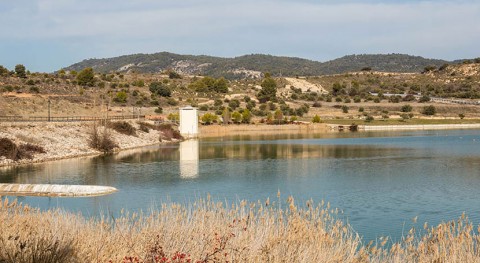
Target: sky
[{"x": 46, "y": 35}]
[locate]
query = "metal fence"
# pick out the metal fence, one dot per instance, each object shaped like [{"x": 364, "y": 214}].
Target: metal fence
[{"x": 66, "y": 118}]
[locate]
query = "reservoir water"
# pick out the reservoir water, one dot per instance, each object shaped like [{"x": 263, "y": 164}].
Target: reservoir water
[{"x": 380, "y": 181}]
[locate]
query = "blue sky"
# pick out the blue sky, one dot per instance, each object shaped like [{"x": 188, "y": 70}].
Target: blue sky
[{"x": 46, "y": 35}]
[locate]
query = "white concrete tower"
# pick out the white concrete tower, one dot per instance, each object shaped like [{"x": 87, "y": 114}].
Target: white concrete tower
[{"x": 188, "y": 122}]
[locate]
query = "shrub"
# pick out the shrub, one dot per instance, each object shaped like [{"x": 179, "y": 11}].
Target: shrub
[
  {"x": 234, "y": 104},
  {"x": 160, "y": 89},
  {"x": 34, "y": 89},
  {"x": 174, "y": 117},
  {"x": 429, "y": 110},
  {"x": 345, "y": 109},
  {"x": 424, "y": 98},
  {"x": 159, "y": 110},
  {"x": 168, "y": 132},
  {"x": 86, "y": 77},
  {"x": 461, "y": 115},
  {"x": 316, "y": 119},
  {"x": 172, "y": 102},
  {"x": 405, "y": 116},
  {"x": 121, "y": 97},
  {"x": 10, "y": 150},
  {"x": 316, "y": 104},
  {"x": 102, "y": 142},
  {"x": 173, "y": 75},
  {"x": 209, "y": 118},
  {"x": 246, "y": 116},
  {"x": 203, "y": 107},
  {"x": 145, "y": 127},
  {"x": 361, "y": 109},
  {"x": 236, "y": 117},
  {"x": 406, "y": 108},
  {"x": 369, "y": 118},
  {"x": 123, "y": 127}
]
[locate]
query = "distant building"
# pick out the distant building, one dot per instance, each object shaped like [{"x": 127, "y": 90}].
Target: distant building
[{"x": 188, "y": 122}]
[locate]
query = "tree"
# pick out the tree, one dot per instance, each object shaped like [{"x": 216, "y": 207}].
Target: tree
[
  {"x": 461, "y": 115},
  {"x": 236, "y": 117},
  {"x": 173, "y": 75},
  {"x": 3, "y": 71},
  {"x": 20, "y": 71},
  {"x": 121, "y": 97},
  {"x": 220, "y": 85},
  {"x": 429, "y": 110},
  {"x": 234, "y": 104},
  {"x": 268, "y": 91},
  {"x": 246, "y": 116},
  {"x": 316, "y": 119},
  {"x": 226, "y": 116},
  {"x": 86, "y": 77},
  {"x": 160, "y": 89},
  {"x": 174, "y": 117},
  {"x": 278, "y": 116},
  {"x": 209, "y": 118}
]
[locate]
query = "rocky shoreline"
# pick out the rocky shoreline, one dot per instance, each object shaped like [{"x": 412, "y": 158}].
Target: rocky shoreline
[{"x": 62, "y": 140}]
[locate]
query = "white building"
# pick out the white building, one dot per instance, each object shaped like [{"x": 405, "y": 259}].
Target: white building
[{"x": 188, "y": 122}]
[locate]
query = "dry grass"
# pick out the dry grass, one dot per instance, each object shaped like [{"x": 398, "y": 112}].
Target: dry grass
[{"x": 208, "y": 231}]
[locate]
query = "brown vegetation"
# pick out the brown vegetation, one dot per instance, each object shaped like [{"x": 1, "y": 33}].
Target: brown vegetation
[
  {"x": 10, "y": 150},
  {"x": 169, "y": 132},
  {"x": 103, "y": 142},
  {"x": 123, "y": 127},
  {"x": 207, "y": 231}
]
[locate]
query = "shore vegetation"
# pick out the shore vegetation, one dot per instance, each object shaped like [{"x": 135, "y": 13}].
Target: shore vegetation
[{"x": 210, "y": 231}]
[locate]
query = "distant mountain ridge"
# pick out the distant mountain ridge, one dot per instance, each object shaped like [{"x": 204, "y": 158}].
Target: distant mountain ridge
[{"x": 254, "y": 64}]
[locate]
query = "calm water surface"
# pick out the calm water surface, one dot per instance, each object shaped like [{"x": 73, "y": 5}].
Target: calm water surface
[{"x": 379, "y": 180}]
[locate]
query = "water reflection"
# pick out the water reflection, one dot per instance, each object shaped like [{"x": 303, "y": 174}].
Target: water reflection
[
  {"x": 189, "y": 156},
  {"x": 379, "y": 182}
]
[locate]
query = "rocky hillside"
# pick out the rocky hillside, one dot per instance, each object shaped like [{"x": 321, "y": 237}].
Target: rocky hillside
[{"x": 253, "y": 65}]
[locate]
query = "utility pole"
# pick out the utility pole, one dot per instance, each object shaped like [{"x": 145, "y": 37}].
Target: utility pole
[{"x": 49, "y": 108}]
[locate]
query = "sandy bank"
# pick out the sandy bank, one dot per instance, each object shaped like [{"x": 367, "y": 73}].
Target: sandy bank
[
  {"x": 259, "y": 129},
  {"x": 66, "y": 140}
]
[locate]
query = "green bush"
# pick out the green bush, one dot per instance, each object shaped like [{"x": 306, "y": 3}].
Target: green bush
[
  {"x": 121, "y": 97},
  {"x": 209, "y": 118},
  {"x": 429, "y": 110},
  {"x": 86, "y": 77},
  {"x": 406, "y": 108}
]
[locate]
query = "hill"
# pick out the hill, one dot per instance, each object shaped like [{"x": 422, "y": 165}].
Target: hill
[{"x": 253, "y": 65}]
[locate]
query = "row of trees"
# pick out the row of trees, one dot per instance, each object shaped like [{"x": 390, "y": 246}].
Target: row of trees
[{"x": 20, "y": 71}]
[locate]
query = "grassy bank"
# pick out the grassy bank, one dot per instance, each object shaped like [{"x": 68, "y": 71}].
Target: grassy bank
[{"x": 207, "y": 231}]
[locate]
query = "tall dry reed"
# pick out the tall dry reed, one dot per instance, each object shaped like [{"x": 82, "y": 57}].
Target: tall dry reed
[{"x": 208, "y": 231}]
